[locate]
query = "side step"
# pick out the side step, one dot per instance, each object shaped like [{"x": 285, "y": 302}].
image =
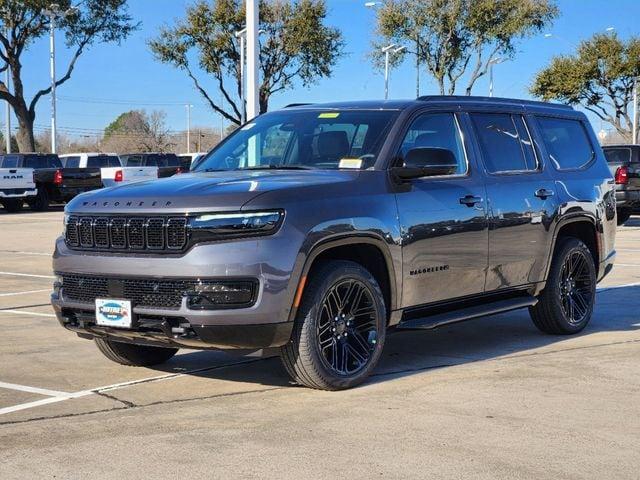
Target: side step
[{"x": 469, "y": 313}]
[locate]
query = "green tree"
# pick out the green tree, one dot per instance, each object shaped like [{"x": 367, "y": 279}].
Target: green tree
[
  {"x": 24, "y": 21},
  {"x": 295, "y": 44},
  {"x": 598, "y": 76},
  {"x": 138, "y": 131},
  {"x": 452, "y": 38}
]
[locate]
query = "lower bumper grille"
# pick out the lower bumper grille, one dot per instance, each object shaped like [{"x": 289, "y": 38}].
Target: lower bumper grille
[{"x": 150, "y": 293}]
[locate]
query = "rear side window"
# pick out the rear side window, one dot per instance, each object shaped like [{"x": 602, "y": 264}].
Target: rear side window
[
  {"x": 133, "y": 161},
  {"x": 9, "y": 161},
  {"x": 100, "y": 161},
  {"x": 618, "y": 155},
  {"x": 567, "y": 142},
  {"x": 71, "y": 162},
  {"x": 505, "y": 142}
]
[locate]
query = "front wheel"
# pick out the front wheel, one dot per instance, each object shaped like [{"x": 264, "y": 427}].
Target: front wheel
[
  {"x": 566, "y": 304},
  {"x": 134, "y": 355},
  {"x": 339, "y": 329}
]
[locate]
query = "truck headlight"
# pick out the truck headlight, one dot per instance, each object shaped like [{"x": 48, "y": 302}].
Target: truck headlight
[{"x": 239, "y": 224}]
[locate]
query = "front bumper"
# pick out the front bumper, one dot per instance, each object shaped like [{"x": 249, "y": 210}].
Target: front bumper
[{"x": 269, "y": 260}]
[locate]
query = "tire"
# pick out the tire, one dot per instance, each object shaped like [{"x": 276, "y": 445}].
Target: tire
[
  {"x": 321, "y": 320},
  {"x": 623, "y": 216},
  {"x": 566, "y": 304},
  {"x": 41, "y": 202},
  {"x": 134, "y": 355},
  {"x": 12, "y": 205}
]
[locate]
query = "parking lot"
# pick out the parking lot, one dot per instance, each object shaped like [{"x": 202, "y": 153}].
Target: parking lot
[{"x": 489, "y": 399}]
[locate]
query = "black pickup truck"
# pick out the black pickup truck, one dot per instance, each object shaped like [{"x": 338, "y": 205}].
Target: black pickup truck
[
  {"x": 54, "y": 182},
  {"x": 624, "y": 163},
  {"x": 168, "y": 163}
]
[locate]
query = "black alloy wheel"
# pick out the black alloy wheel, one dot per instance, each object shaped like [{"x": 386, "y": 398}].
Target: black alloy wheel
[{"x": 347, "y": 331}]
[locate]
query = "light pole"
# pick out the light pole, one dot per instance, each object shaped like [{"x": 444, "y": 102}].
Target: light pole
[
  {"x": 634, "y": 134},
  {"x": 240, "y": 34},
  {"x": 53, "y": 12},
  {"x": 7, "y": 126},
  {"x": 388, "y": 50},
  {"x": 253, "y": 58},
  {"x": 493, "y": 62},
  {"x": 188, "y": 106}
]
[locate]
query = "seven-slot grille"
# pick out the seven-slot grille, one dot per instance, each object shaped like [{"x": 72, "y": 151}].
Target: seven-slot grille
[
  {"x": 149, "y": 293},
  {"x": 126, "y": 233}
]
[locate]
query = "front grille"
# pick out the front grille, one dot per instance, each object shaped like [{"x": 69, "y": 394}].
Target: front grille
[
  {"x": 127, "y": 233},
  {"x": 142, "y": 292}
]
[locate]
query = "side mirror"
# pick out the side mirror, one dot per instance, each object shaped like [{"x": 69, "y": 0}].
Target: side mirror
[{"x": 426, "y": 162}]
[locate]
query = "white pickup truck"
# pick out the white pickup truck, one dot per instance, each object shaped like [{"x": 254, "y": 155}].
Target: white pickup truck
[
  {"x": 16, "y": 187},
  {"x": 109, "y": 167}
]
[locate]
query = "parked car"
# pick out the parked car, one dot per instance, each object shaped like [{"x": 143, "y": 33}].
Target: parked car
[
  {"x": 109, "y": 167},
  {"x": 315, "y": 229},
  {"x": 168, "y": 163},
  {"x": 189, "y": 160},
  {"x": 16, "y": 187},
  {"x": 624, "y": 163},
  {"x": 54, "y": 182}
]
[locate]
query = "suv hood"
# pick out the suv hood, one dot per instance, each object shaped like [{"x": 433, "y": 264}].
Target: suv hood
[{"x": 209, "y": 191}]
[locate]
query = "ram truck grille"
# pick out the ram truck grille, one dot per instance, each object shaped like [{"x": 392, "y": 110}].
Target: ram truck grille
[{"x": 126, "y": 234}]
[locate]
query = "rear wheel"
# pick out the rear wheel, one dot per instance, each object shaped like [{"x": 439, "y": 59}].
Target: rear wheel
[
  {"x": 41, "y": 201},
  {"x": 566, "y": 303},
  {"x": 12, "y": 205},
  {"x": 339, "y": 329},
  {"x": 623, "y": 216},
  {"x": 134, "y": 355}
]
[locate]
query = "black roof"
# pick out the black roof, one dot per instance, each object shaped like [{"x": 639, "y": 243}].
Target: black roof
[{"x": 439, "y": 99}]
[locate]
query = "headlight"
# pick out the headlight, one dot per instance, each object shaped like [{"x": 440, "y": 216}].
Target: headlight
[{"x": 239, "y": 224}]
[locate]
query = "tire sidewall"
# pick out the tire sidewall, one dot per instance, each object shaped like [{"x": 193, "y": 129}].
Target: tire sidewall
[
  {"x": 566, "y": 249},
  {"x": 310, "y": 315}
]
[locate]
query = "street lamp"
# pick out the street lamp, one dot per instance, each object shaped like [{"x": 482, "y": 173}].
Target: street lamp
[
  {"x": 388, "y": 50},
  {"x": 493, "y": 62},
  {"x": 54, "y": 12}
]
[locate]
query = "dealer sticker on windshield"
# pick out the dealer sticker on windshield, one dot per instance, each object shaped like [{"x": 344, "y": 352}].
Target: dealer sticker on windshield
[{"x": 113, "y": 313}]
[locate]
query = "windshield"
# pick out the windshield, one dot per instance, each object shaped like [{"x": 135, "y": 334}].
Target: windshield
[{"x": 303, "y": 139}]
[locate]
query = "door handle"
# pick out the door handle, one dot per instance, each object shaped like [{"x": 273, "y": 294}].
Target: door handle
[
  {"x": 470, "y": 200},
  {"x": 543, "y": 193}
]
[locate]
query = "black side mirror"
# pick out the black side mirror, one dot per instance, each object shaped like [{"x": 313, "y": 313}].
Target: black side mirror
[{"x": 426, "y": 162}]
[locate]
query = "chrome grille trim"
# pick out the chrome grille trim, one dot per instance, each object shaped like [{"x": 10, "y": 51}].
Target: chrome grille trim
[{"x": 127, "y": 234}]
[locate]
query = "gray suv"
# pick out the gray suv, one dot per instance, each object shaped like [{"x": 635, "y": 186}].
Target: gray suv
[{"x": 317, "y": 229}]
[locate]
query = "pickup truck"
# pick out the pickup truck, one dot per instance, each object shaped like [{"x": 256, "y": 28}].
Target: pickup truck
[
  {"x": 109, "y": 167},
  {"x": 16, "y": 186},
  {"x": 54, "y": 182},
  {"x": 168, "y": 163},
  {"x": 318, "y": 228},
  {"x": 624, "y": 163},
  {"x": 189, "y": 160}
]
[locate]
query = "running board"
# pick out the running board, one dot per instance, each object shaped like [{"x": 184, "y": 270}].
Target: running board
[{"x": 469, "y": 313}]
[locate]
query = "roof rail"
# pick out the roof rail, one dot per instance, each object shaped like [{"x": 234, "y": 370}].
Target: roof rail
[
  {"x": 297, "y": 105},
  {"x": 505, "y": 101}
]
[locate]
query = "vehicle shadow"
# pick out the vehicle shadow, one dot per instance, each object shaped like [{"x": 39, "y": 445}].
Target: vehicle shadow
[
  {"x": 410, "y": 352},
  {"x": 26, "y": 210}
]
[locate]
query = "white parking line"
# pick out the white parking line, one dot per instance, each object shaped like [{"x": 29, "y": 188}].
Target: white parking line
[
  {"x": 20, "y": 252},
  {"x": 10, "y": 294},
  {"x": 39, "y": 391},
  {"x": 27, "y": 312},
  {"x": 626, "y": 265},
  {"x": 37, "y": 403},
  {"x": 31, "y": 275}
]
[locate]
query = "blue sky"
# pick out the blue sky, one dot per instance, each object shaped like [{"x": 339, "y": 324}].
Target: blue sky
[{"x": 110, "y": 79}]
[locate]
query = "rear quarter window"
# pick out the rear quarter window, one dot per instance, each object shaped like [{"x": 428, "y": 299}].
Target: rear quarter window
[
  {"x": 618, "y": 155},
  {"x": 71, "y": 162},
  {"x": 567, "y": 142}
]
